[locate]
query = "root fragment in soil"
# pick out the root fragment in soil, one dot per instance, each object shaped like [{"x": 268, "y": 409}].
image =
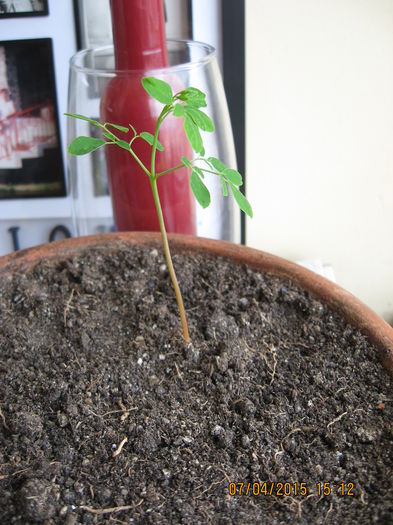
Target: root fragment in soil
[
  {"x": 119, "y": 448},
  {"x": 110, "y": 510}
]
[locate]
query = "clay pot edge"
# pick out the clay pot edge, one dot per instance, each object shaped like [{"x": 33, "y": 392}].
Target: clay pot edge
[{"x": 336, "y": 297}]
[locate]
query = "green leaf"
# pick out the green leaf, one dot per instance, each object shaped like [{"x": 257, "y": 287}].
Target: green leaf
[
  {"x": 82, "y": 117},
  {"x": 233, "y": 176},
  {"x": 82, "y": 145},
  {"x": 158, "y": 89},
  {"x": 116, "y": 126},
  {"x": 186, "y": 162},
  {"x": 217, "y": 164},
  {"x": 193, "y": 135},
  {"x": 200, "y": 191},
  {"x": 198, "y": 171},
  {"x": 149, "y": 138},
  {"x": 193, "y": 92},
  {"x": 193, "y": 97},
  {"x": 123, "y": 144},
  {"x": 241, "y": 200},
  {"x": 224, "y": 186},
  {"x": 178, "y": 110},
  {"x": 110, "y": 135},
  {"x": 202, "y": 120}
]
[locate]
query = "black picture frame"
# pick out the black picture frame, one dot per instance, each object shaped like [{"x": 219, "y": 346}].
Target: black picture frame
[
  {"x": 31, "y": 159},
  {"x": 17, "y": 9},
  {"x": 233, "y": 38}
]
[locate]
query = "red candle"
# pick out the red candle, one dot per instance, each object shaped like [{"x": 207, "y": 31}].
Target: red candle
[{"x": 140, "y": 45}]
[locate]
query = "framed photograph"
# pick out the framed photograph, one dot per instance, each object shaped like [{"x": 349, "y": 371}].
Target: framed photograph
[
  {"x": 31, "y": 163},
  {"x": 15, "y": 8}
]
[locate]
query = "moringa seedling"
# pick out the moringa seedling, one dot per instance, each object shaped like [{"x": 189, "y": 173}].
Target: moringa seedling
[{"x": 185, "y": 104}]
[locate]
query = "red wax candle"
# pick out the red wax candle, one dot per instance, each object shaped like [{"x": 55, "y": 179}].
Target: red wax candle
[{"x": 140, "y": 45}]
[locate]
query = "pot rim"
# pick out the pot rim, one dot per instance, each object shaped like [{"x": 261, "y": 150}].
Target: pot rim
[{"x": 379, "y": 332}]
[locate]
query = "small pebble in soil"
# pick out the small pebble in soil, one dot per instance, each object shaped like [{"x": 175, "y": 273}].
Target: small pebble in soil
[
  {"x": 221, "y": 437},
  {"x": 245, "y": 407}
]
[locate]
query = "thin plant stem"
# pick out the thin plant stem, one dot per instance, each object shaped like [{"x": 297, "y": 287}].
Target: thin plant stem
[
  {"x": 170, "y": 170},
  {"x": 168, "y": 259},
  {"x": 140, "y": 162},
  {"x": 167, "y": 253},
  {"x": 190, "y": 100},
  {"x": 178, "y": 167}
]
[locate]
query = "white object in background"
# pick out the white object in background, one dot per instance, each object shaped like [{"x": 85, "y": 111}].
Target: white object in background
[
  {"x": 177, "y": 19},
  {"x": 207, "y": 26},
  {"x": 95, "y": 23},
  {"x": 317, "y": 266}
]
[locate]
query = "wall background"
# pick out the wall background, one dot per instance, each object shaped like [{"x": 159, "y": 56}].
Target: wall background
[{"x": 319, "y": 134}]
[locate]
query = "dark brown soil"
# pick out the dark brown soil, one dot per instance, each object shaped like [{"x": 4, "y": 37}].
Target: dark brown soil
[{"x": 107, "y": 417}]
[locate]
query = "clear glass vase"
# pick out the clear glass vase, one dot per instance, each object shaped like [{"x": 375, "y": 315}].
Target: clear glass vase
[{"x": 92, "y": 73}]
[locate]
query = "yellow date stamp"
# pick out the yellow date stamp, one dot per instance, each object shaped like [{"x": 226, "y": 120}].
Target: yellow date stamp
[{"x": 282, "y": 488}]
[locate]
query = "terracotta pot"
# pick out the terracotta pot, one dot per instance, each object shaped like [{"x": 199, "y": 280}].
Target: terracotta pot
[{"x": 339, "y": 300}]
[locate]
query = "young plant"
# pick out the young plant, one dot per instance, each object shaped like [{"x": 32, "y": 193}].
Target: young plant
[{"x": 186, "y": 104}]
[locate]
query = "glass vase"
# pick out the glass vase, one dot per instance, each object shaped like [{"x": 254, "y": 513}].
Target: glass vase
[{"x": 99, "y": 201}]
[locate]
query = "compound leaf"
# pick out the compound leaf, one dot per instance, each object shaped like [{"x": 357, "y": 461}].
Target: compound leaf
[
  {"x": 194, "y": 97},
  {"x": 241, "y": 200},
  {"x": 203, "y": 121},
  {"x": 193, "y": 135},
  {"x": 158, "y": 89},
  {"x": 217, "y": 164},
  {"x": 82, "y": 117},
  {"x": 178, "y": 110},
  {"x": 109, "y": 135},
  {"x": 233, "y": 176},
  {"x": 123, "y": 144},
  {"x": 224, "y": 186},
  {"x": 148, "y": 137},
  {"x": 186, "y": 162},
  {"x": 200, "y": 191},
  {"x": 83, "y": 145},
  {"x": 199, "y": 171},
  {"x": 117, "y": 126}
]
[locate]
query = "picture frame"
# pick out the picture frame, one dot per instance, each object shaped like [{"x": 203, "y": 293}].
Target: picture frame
[
  {"x": 31, "y": 160},
  {"x": 23, "y": 8}
]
